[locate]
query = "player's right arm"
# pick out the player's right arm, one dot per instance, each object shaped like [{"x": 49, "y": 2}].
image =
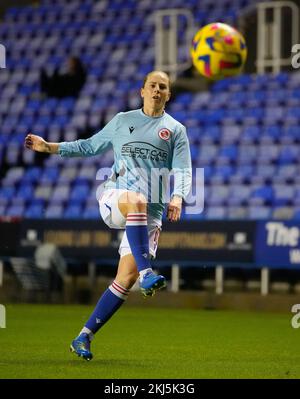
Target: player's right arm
[
  {"x": 37, "y": 143},
  {"x": 94, "y": 145}
]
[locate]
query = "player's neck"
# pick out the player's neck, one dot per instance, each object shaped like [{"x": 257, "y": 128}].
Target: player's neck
[{"x": 150, "y": 111}]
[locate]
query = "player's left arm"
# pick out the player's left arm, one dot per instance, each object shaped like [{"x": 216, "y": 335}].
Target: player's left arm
[{"x": 182, "y": 169}]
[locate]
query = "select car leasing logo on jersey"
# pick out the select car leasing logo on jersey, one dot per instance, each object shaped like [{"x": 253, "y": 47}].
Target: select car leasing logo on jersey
[
  {"x": 142, "y": 150},
  {"x": 164, "y": 134}
]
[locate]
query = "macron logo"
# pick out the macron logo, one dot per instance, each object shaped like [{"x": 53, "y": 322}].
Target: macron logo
[
  {"x": 131, "y": 129},
  {"x": 98, "y": 321}
]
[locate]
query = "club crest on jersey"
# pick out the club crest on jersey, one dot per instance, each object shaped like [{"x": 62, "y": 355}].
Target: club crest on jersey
[{"x": 164, "y": 134}]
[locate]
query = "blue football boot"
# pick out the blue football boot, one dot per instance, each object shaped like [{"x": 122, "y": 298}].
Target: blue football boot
[
  {"x": 152, "y": 282},
  {"x": 81, "y": 346}
]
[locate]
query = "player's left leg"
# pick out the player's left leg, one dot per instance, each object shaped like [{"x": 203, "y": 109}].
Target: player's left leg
[{"x": 110, "y": 301}]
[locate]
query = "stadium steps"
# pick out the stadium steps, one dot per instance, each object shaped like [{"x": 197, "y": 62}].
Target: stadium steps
[{"x": 33, "y": 280}]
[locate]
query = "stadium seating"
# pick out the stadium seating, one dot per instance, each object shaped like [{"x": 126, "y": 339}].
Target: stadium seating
[{"x": 244, "y": 131}]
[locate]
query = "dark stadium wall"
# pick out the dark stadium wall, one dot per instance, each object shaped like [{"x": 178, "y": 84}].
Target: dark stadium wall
[
  {"x": 5, "y": 4},
  {"x": 249, "y": 30}
]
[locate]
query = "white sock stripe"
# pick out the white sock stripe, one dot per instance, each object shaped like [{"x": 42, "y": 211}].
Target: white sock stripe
[
  {"x": 117, "y": 293},
  {"x": 136, "y": 216},
  {"x": 136, "y": 213},
  {"x": 144, "y": 223},
  {"x": 136, "y": 219},
  {"x": 124, "y": 290}
]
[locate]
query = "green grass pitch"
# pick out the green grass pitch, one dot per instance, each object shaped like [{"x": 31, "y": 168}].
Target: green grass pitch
[{"x": 149, "y": 343}]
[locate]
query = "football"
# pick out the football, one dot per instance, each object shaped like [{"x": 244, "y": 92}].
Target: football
[{"x": 218, "y": 51}]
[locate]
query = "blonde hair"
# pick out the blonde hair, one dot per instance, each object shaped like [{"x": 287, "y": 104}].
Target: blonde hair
[{"x": 152, "y": 72}]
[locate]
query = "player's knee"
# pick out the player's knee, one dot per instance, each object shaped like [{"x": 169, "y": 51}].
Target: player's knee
[
  {"x": 131, "y": 202},
  {"x": 138, "y": 198},
  {"x": 137, "y": 202}
]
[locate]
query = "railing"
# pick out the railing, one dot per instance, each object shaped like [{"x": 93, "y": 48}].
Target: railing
[
  {"x": 271, "y": 33},
  {"x": 166, "y": 40}
]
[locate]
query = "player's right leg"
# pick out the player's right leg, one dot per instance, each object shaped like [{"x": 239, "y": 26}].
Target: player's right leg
[{"x": 133, "y": 207}]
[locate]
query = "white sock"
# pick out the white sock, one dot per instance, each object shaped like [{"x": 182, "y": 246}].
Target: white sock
[
  {"x": 88, "y": 332},
  {"x": 143, "y": 272}
]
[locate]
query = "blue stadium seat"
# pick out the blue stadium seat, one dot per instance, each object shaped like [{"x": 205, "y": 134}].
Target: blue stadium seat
[
  {"x": 184, "y": 98},
  {"x": 267, "y": 153},
  {"x": 287, "y": 171},
  {"x": 224, "y": 171},
  {"x": 34, "y": 211},
  {"x": 247, "y": 154},
  {"x": 282, "y": 78},
  {"x": 7, "y": 192},
  {"x": 91, "y": 212},
  {"x": 237, "y": 212},
  {"x": 80, "y": 191},
  {"x": 215, "y": 212},
  {"x": 261, "y": 196},
  {"x": 242, "y": 174},
  {"x": 227, "y": 154},
  {"x": 288, "y": 155},
  {"x": 259, "y": 212},
  {"x": 273, "y": 132},
  {"x": 250, "y": 134},
  {"x": 293, "y": 112},
  {"x": 296, "y": 215},
  {"x": 15, "y": 211},
  {"x": 61, "y": 192},
  {"x": 211, "y": 131},
  {"x": 14, "y": 175},
  {"x": 34, "y": 105},
  {"x": 194, "y": 152},
  {"x": 32, "y": 174},
  {"x": 218, "y": 195},
  {"x": 25, "y": 191},
  {"x": 284, "y": 193},
  {"x": 266, "y": 171},
  {"x": 282, "y": 212},
  {"x": 239, "y": 194},
  {"x": 73, "y": 212},
  {"x": 50, "y": 174},
  {"x": 54, "y": 211}
]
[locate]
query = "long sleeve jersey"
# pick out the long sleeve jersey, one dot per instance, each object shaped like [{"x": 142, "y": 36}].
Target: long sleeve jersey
[{"x": 147, "y": 151}]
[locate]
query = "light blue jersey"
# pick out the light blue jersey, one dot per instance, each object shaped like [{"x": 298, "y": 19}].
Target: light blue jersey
[{"x": 146, "y": 149}]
